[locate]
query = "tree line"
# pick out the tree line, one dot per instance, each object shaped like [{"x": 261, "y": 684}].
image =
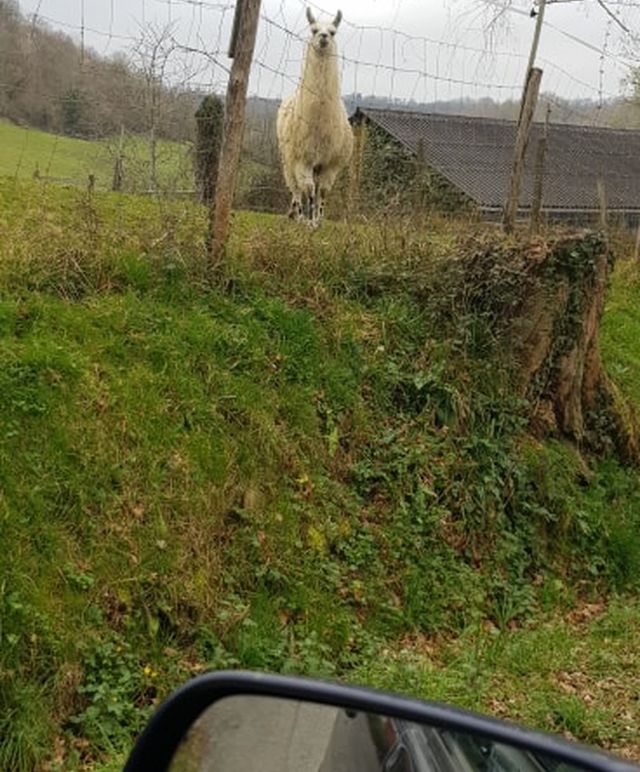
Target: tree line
[{"x": 51, "y": 83}]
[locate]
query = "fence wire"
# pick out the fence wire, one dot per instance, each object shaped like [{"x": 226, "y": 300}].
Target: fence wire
[{"x": 115, "y": 83}]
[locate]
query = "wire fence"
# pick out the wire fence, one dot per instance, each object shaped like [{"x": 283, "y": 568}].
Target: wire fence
[{"x": 107, "y": 84}]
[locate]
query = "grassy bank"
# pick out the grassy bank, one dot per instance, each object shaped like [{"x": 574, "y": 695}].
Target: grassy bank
[{"x": 301, "y": 470}]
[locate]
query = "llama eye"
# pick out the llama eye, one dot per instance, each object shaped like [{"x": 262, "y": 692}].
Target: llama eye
[{"x": 332, "y": 32}]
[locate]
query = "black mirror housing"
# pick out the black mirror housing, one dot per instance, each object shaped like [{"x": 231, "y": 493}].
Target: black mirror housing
[{"x": 171, "y": 723}]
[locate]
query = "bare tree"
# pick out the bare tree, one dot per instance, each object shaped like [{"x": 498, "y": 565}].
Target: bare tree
[{"x": 151, "y": 55}]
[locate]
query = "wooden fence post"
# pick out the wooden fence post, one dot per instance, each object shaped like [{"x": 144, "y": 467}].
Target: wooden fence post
[
  {"x": 636, "y": 251},
  {"x": 541, "y": 151},
  {"x": 529, "y": 101},
  {"x": 355, "y": 175},
  {"x": 242, "y": 45},
  {"x": 118, "y": 166},
  {"x": 602, "y": 203},
  {"x": 542, "y": 6}
]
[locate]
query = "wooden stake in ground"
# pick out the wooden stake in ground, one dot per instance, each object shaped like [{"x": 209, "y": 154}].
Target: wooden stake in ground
[
  {"x": 530, "y": 99},
  {"x": 602, "y": 203},
  {"x": 541, "y": 151},
  {"x": 242, "y": 46},
  {"x": 355, "y": 176},
  {"x": 511, "y": 206},
  {"x": 636, "y": 251},
  {"x": 118, "y": 166}
]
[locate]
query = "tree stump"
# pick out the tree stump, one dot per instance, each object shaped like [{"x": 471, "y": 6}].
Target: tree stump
[{"x": 546, "y": 300}]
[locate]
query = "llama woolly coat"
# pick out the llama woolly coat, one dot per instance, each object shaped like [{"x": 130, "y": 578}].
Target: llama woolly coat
[{"x": 314, "y": 134}]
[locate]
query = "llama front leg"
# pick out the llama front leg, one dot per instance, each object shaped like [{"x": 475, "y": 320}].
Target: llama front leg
[
  {"x": 320, "y": 205},
  {"x": 309, "y": 208},
  {"x": 315, "y": 210},
  {"x": 295, "y": 209},
  {"x": 325, "y": 182},
  {"x": 306, "y": 185}
]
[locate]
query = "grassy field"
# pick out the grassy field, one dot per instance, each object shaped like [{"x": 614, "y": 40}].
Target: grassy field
[
  {"x": 299, "y": 469},
  {"x": 27, "y": 151},
  {"x": 620, "y": 331}
]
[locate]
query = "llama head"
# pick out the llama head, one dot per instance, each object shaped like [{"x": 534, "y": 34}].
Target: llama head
[{"x": 322, "y": 34}]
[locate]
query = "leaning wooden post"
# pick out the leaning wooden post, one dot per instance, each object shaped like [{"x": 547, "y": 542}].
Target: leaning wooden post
[
  {"x": 242, "y": 45},
  {"x": 538, "y": 180},
  {"x": 529, "y": 102},
  {"x": 636, "y": 251},
  {"x": 539, "y": 14}
]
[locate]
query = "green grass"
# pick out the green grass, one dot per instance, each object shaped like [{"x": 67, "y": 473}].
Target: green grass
[
  {"x": 25, "y": 152},
  {"x": 620, "y": 330},
  {"x": 296, "y": 470},
  {"x": 575, "y": 674}
]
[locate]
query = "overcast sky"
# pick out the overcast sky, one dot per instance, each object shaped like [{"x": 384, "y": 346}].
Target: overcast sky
[{"x": 421, "y": 49}]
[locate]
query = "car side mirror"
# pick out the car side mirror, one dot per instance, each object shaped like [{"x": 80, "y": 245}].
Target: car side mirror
[{"x": 246, "y": 722}]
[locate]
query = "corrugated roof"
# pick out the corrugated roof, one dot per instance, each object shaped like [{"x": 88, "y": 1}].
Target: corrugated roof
[{"x": 476, "y": 154}]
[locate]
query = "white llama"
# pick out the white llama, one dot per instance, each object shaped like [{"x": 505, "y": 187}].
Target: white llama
[{"x": 314, "y": 133}]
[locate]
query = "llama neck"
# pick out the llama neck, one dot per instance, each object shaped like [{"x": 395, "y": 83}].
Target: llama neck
[{"x": 320, "y": 81}]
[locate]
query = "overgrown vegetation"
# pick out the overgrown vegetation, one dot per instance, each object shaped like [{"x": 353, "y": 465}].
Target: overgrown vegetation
[
  {"x": 321, "y": 460},
  {"x": 209, "y": 124},
  {"x": 393, "y": 180}
]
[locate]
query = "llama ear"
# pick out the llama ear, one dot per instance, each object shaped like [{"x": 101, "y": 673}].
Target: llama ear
[
  {"x": 310, "y": 17},
  {"x": 338, "y": 19}
]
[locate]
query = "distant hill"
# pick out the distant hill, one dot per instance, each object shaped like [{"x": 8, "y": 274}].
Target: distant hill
[{"x": 619, "y": 113}]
